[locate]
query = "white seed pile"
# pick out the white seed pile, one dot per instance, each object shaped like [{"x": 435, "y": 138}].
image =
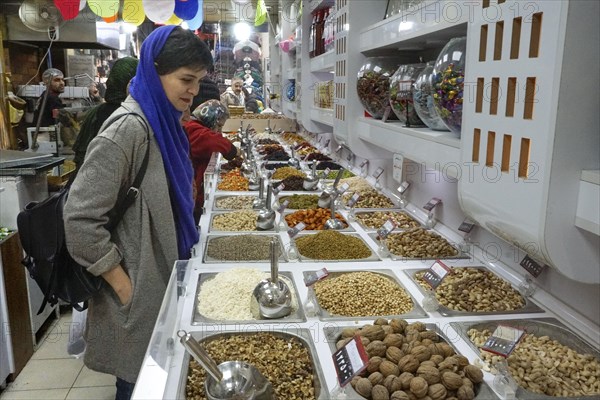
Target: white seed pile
[
  {"x": 356, "y": 184},
  {"x": 227, "y": 296},
  {"x": 235, "y": 202}
]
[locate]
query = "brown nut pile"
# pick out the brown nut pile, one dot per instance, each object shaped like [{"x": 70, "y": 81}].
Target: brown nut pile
[
  {"x": 314, "y": 219},
  {"x": 542, "y": 365},
  {"x": 361, "y": 294},
  {"x": 376, "y": 219},
  {"x": 233, "y": 181},
  {"x": 286, "y": 172},
  {"x": 407, "y": 361},
  {"x": 235, "y": 202},
  {"x": 332, "y": 245},
  {"x": 286, "y": 363},
  {"x": 370, "y": 199},
  {"x": 419, "y": 243},
  {"x": 475, "y": 290},
  {"x": 244, "y": 220}
]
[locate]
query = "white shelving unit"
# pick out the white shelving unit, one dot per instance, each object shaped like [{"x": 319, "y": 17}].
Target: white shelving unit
[
  {"x": 322, "y": 115},
  {"x": 323, "y": 63}
]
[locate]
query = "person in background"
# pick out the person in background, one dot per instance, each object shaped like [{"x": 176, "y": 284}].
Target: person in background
[
  {"x": 116, "y": 92},
  {"x": 234, "y": 95},
  {"x": 136, "y": 259},
  {"x": 55, "y": 85},
  {"x": 204, "y": 133},
  {"x": 208, "y": 90},
  {"x": 95, "y": 97}
]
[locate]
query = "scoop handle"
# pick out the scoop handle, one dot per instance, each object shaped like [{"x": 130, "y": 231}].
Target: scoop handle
[
  {"x": 338, "y": 177},
  {"x": 274, "y": 261},
  {"x": 200, "y": 355}
]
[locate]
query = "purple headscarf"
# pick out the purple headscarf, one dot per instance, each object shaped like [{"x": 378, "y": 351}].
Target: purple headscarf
[{"x": 172, "y": 140}]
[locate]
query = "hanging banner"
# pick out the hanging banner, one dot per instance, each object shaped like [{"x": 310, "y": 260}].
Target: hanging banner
[
  {"x": 186, "y": 9},
  {"x": 174, "y": 20},
  {"x": 159, "y": 11},
  {"x": 112, "y": 19},
  {"x": 261, "y": 13},
  {"x": 104, "y": 8},
  {"x": 68, "y": 8},
  {"x": 196, "y": 22},
  {"x": 133, "y": 12}
]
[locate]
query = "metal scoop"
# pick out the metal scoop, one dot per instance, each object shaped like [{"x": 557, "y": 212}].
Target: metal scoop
[
  {"x": 231, "y": 380},
  {"x": 266, "y": 216},
  {"x": 333, "y": 223},
  {"x": 330, "y": 192},
  {"x": 271, "y": 298},
  {"x": 294, "y": 162},
  {"x": 312, "y": 180},
  {"x": 259, "y": 202}
]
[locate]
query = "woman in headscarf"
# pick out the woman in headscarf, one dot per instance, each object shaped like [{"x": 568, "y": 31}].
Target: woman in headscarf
[
  {"x": 121, "y": 73},
  {"x": 204, "y": 133},
  {"x": 137, "y": 258}
]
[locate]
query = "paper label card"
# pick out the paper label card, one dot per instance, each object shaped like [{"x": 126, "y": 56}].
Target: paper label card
[
  {"x": 292, "y": 232},
  {"x": 343, "y": 188},
  {"x": 403, "y": 187},
  {"x": 532, "y": 266},
  {"x": 432, "y": 204},
  {"x": 436, "y": 274},
  {"x": 353, "y": 200},
  {"x": 350, "y": 361},
  {"x": 386, "y": 229},
  {"x": 313, "y": 277},
  {"x": 278, "y": 189},
  {"x": 377, "y": 173},
  {"x": 504, "y": 340},
  {"x": 283, "y": 206},
  {"x": 362, "y": 164},
  {"x": 466, "y": 226}
]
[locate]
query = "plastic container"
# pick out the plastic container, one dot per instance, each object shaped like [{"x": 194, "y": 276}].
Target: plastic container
[
  {"x": 401, "y": 94},
  {"x": 448, "y": 83},
  {"x": 423, "y": 99},
  {"x": 373, "y": 85}
]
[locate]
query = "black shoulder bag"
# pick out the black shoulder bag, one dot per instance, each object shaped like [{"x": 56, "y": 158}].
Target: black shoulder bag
[{"x": 47, "y": 258}]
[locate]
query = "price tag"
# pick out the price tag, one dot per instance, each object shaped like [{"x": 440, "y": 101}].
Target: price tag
[
  {"x": 385, "y": 229},
  {"x": 327, "y": 143},
  {"x": 436, "y": 273},
  {"x": 326, "y": 172},
  {"x": 350, "y": 361},
  {"x": 283, "y": 206},
  {"x": 320, "y": 138},
  {"x": 292, "y": 232},
  {"x": 295, "y": 144},
  {"x": 338, "y": 149},
  {"x": 466, "y": 226},
  {"x": 378, "y": 173},
  {"x": 431, "y": 204},
  {"x": 278, "y": 189},
  {"x": 362, "y": 164},
  {"x": 532, "y": 266},
  {"x": 403, "y": 186},
  {"x": 398, "y": 165},
  {"x": 313, "y": 277},
  {"x": 353, "y": 200},
  {"x": 343, "y": 188},
  {"x": 504, "y": 340}
]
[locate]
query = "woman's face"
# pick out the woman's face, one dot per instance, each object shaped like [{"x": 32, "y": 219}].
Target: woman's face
[{"x": 182, "y": 85}]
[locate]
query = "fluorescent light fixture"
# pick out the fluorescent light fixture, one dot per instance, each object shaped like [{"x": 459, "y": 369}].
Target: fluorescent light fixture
[
  {"x": 405, "y": 26},
  {"x": 242, "y": 31}
]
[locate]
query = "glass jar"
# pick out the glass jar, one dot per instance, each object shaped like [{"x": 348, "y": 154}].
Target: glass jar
[
  {"x": 423, "y": 99},
  {"x": 373, "y": 85},
  {"x": 395, "y": 7},
  {"x": 448, "y": 82},
  {"x": 401, "y": 94}
]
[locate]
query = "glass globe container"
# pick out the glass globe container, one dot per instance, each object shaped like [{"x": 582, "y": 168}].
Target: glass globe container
[
  {"x": 401, "y": 94},
  {"x": 373, "y": 85},
  {"x": 423, "y": 99},
  {"x": 448, "y": 82}
]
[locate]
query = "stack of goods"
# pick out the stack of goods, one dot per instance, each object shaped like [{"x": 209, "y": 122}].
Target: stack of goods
[{"x": 324, "y": 94}]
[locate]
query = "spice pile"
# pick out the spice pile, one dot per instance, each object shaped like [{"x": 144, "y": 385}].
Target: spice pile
[
  {"x": 375, "y": 219},
  {"x": 301, "y": 201},
  {"x": 419, "y": 243},
  {"x": 356, "y": 184},
  {"x": 332, "y": 245},
  {"x": 239, "y": 248},
  {"x": 370, "y": 198},
  {"x": 243, "y": 220},
  {"x": 235, "y": 202},
  {"x": 293, "y": 183}
]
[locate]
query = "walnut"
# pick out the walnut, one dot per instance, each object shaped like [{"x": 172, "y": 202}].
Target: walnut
[
  {"x": 461, "y": 360},
  {"x": 373, "y": 332},
  {"x": 380, "y": 321},
  {"x": 428, "y": 363},
  {"x": 379, "y": 392},
  {"x": 437, "y": 391},
  {"x": 373, "y": 364},
  {"x": 348, "y": 332},
  {"x": 421, "y": 353},
  {"x": 426, "y": 342},
  {"x": 387, "y": 329},
  {"x": 376, "y": 378},
  {"x": 431, "y": 335},
  {"x": 394, "y": 339},
  {"x": 435, "y": 349},
  {"x": 388, "y": 368},
  {"x": 465, "y": 393},
  {"x": 398, "y": 325},
  {"x": 467, "y": 382},
  {"x": 364, "y": 341},
  {"x": 376, "y": 348},
  {"x": 405, "y": 379},
  {"x": 474, "y": 374},
  {"x": 399, "y": 395},
  {"x": 429, "y": 373},
  {"x": 364, "y": 387},
  {"x": 389, "y": 381},
  {"x": 419, "y": 386},
  {"x": 450, "y": 364},
  {"x": 394, "y": 354},
  {"x": 396, "y": 385},
  {"x": 436, "y": 359},
  {"x": 447, "y": 351},
  {"x": 451, "y": 380},
  {"x": 418, "y": 326},
  {"x": 408, "y": 363}
]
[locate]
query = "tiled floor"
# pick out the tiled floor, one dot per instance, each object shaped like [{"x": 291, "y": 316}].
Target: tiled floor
[{"x": 52, "y": 374}]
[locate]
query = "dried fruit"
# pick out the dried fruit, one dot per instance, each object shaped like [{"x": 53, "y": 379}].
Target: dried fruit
[
  {"x": 380, "y": 392},
  {"x": 376, "y": 348},
  {"x": 437, "y": 391},
  {"x": 394, "y": 339},
  {"x": 364, "y": 387},
  {"x": 408, "y": 363},
  {"x": 473, "y": 373},
  {"x": 388, "y": 368},
  {"x": 429, "y": 373},
  {"x": 376, "y": 378},
  {"x": 465, "y": 393},
  {"x": 451, "y": 380},
  {"x": 419, "y": 386},
  {"x": 393, "y": 354}
]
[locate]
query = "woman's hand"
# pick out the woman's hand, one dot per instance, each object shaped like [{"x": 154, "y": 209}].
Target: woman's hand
[{"x": 120, "y": 283}]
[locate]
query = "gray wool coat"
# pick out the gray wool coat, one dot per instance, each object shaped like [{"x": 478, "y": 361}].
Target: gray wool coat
[{"x": 144, "y": 242}]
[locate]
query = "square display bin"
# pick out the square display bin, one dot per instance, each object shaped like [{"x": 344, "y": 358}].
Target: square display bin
[
  {"x": 362, "y": 211},
  {"x": 324, "y": 315},
  {"x": 295, "y": 317},
  {"x": 284, "y": 195},
  {"x": 346, "y": 229},
  {"x": 303, "y": 335},
  {"x": 332, "y": 335},
  {"x": 238, "y": 194},
  {"x": 372, "y": 257},
  {"x": 397, "y": 257},
  {"x": 216, "y": 213},
  {"x": 208, "y": 259},
  {"x": 529, "y": 307},
  {"x": 550, "y": 327}
]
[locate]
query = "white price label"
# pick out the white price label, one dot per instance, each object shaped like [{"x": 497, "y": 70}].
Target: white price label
[
  {"x": 292, "y": 232},
  {"x": 432, "y": 204},
  {"x": 279, "y": 188},
  {"x": 283, "y": 206},
  {"x": 350, "y": 361},
  {"x": 466, "y": 226},
  {"x": 403, "y": 187},
  {"x": 312, "y": 277},
  {"x": 343, "y": 188},
  {"x": 378, "y": 173},
  {"x": 504, "y": 340},
  {"x": 398, "y": 164},
  {"x": 386, "y": 229},
  {"x": 436, "y": 274},
  {"x": 362, "y": 164},
  {"x": 353, "y": 200}
]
